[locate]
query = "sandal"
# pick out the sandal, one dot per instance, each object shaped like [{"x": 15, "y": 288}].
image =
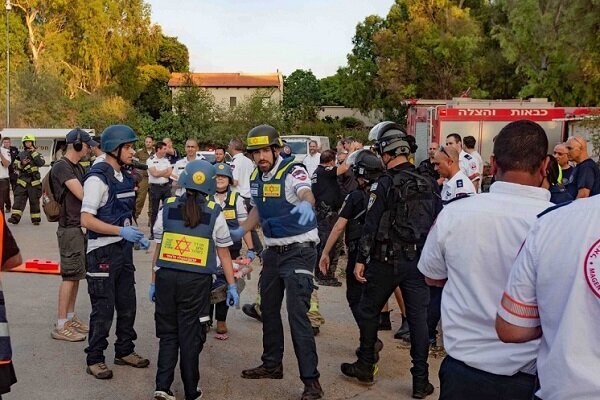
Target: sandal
[{"x": 221, "y": 336}]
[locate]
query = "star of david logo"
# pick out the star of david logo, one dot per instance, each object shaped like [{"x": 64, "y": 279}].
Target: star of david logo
[{"x": 182, "y": 245}]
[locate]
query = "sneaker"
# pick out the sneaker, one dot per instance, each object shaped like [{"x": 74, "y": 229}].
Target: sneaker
[
  {"x": 78, "y": 325},
  {"x": 312, "y": 390},
  {"x": 67, "y": 334},
  {"x": 164, "y": 395},
  {"x": 263, "y": 372},
  {"x": 250, "y": 310},
  {"x": 100, "y": 371},
  {"x": 36, "y": 222},
  {"x": 421, "y": 388},
  {"x": 363, "y": 372},
  {"x": 13, "y": 220},
  {"x": 133, "y": 360}
]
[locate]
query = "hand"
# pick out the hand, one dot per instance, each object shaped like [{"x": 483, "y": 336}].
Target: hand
[
  {"x": 233, "y": 298},
  {"x": 324, "y": 263},
  {"x": 152, "y": 292},
  {"x": 251, "y": 255},
  {"x": 131, "y": 234},
  {"x": 237, "y": 233},
  {"x": 306, "y": 212},
  {"x": 144, "y": 243},
  {"x": 359, "y": 273}
]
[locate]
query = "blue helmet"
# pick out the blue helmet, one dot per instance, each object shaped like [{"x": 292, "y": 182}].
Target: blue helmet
[
  {"x": 116, "y": 135},
  {"x": 199, "y": 175},
  {"x": 223, "y": 169}
]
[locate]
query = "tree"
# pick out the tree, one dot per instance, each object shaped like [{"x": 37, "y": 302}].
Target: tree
[
  {"x": 301, "y": 96},
  {"x": 154, "y": 97},
  {"x": 330, "y": 91},
  {"x": 173, "y": 55}
]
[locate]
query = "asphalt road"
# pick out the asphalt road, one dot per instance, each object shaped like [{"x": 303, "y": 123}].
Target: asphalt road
[{"x": 50, "y": 369}]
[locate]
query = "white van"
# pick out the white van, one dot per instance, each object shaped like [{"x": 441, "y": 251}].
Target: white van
[
  {"x": 47, "y": 141},
  {"x": 299, "y": 144}
]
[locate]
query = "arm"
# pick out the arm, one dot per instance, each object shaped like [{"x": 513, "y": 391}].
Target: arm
[
  {"x": 305, "y": 194},
  {"x": 89, "y": 221},
  {"x": 225, "y": 257},
  {"x": 252, "y": 221},
  {"x": 336, "y": 231},
  {"x": 435, "y": 282},
  {"x": 37, "y": 159},
  {"x": 5, "y": 161},
  {"x": 248, "y": 240},
  {"x": 12, "y": 262},
  {"x": 11, "y": 255},
  {"x": 583, "y": 193},
  {"x": 510, "y": 333},
  {"x": 75, "y": 187}
]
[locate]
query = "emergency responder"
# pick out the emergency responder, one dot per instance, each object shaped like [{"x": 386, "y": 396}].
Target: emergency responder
[
  {"x": 553, "y": 293},
  {"x": 107, "y": 213},
  {"x": 391, "y": 244},
  {"x": 283, "y": 202},
  {"x": 191, "y": 232},
  {"x": 29, "y": 182},
  {"x": 235, "y": 213}
]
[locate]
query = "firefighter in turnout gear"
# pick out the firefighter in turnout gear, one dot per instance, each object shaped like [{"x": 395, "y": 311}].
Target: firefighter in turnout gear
[{"x": 29, "y": 182}]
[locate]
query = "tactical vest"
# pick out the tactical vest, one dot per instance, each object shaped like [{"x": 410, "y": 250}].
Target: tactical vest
[
  {"x": 354, "y": 226},
  {"x": 5, "y": 347},
  {"x": 231, "y": 215},
  {"x": 185, "y": 248},
  {"x": 119, "y": 207},
  {"x": 273, "y": 208}
]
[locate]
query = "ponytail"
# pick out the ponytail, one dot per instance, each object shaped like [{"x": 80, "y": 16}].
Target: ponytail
[{"x": 191, "y": 210}]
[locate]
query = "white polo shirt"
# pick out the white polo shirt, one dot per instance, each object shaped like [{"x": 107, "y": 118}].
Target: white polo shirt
[
  {"x": 178, "y": 168},
  {"x": 242, "y": 168},
  {"x": 555, "y": 283},
  {"x": 4, "y": 170},
  {"x": 296, "y": 181},
  {"x": 468, "y": 165},
  {"x": 476, "y": 258},
  {"x": 312, "y": 162},
  {"x": 459, "y": 184},
  {"x": 161, "y": 164}
]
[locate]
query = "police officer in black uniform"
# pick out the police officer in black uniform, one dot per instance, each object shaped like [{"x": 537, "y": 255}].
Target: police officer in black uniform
[{"x": 387, "y": 247}]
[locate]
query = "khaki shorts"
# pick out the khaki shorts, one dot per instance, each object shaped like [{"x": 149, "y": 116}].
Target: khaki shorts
[{"x": 71, "y": 244}]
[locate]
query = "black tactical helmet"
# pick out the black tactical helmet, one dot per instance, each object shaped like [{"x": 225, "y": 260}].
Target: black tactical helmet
[
  {"x": 367, "y": 165},
  {"x": 263, "y": 136},
  {"x": 388, "y": 136}
]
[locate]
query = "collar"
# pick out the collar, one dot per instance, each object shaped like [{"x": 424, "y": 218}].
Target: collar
[
  {"x": 266, "y": 176},
  {"x": 455, "y": 177},
  {"x": 515, "y": 189},
  {"x": 402, "y": 166}
]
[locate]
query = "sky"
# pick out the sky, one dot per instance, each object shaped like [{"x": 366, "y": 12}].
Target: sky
[{"x": 257, "y": 36}]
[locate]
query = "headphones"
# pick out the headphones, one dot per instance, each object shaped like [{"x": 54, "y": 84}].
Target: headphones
[{"x": 77, "y": 144}]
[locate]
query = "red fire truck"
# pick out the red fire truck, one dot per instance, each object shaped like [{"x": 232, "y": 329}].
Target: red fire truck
[{"x": 432, "y": 120}]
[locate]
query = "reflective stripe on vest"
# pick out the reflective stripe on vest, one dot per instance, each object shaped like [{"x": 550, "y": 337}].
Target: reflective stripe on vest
[{"x": 5, "y": 347}]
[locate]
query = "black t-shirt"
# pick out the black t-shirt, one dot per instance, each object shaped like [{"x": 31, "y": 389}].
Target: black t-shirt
[
  {"x": 324, "y": 187},
  {"x": 430, "y": 168},
  {"x": 586, "y": 175},
  {"x": 566, "y": 175},
  {"x": 70, "y": 212},
  {"x": 354, "y": 203},
  {"x": 347, "y": 182}
]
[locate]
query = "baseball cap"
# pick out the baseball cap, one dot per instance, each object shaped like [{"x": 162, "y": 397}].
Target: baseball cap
[{"x": 83, "y": 136}]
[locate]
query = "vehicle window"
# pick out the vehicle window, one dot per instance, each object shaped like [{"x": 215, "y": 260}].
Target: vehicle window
[{"x": 297, "y": 147}]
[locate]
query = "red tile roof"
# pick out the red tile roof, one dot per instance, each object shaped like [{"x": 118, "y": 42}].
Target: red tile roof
[{"x": 225, "y": 79}]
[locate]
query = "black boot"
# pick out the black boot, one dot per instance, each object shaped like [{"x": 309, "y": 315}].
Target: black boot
[
  {"x": 403, "y": 332},
  {"x": 250, "y": 310},
  {"x": 262, "y": 372},
  {"x": 312, "y": 390},
  {"x": 378, "y": 347},
  {"x": 421, "y": 388},
  {"x": 384, "y": 321},
  {"x": 363, "y": 372}
]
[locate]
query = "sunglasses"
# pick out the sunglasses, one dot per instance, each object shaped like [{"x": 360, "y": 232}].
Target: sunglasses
[{"x": 443, "y": 150}]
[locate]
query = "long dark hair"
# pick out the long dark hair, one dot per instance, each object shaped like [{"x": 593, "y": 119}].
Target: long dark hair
[
  {"x": 192, "y": 210},
  {"x": 552, "y": 171}
]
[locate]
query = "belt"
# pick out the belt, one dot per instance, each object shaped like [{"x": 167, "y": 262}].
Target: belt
[
  {"x": 285, "y": 248},
  {"x": 160, "y": 184}
]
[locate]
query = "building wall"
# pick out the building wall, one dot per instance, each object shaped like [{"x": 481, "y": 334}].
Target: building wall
[
  {"x": 223, "y": 95},
  {"x": 340, "y": 112}
]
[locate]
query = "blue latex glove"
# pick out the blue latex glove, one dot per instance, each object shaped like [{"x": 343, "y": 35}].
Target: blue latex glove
[
  {"x": 233, "y": 298},
  {"x": 131, "y": 233},
  {"x": 306, "y": 212},
  {"x": 251, "y": 255},
  {"x": 144, "y": 243},
  {"x": 152, "y": 292},
  {"x": 237, "y": 234}
]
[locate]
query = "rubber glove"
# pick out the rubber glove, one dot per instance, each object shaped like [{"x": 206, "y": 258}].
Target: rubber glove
[
  {"x": 144, "y": 243},
  {"x": 131, "y": 233},
  {"x": 306, "y": 212},
  {"x": 237, "y": 234},
  {"x": 152, "y": 292},
  {"x": 233, "y": 298},
  {"x": 251, "y": 255}
]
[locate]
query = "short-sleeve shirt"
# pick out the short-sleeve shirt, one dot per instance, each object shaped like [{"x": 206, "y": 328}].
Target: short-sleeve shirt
[
  {"x": 70, "y": 211},
  {"x": 242, "y": 168},
  {"x": 457, "y": 186},
  {"x": 325, "y": 188},
  {"x": 555, "y": 284},
  {"x": 354, "y": 204},
  {"x": 469, "y": 165},
  {"x": 4, "y": 171},
  {"x": 178, "y": 169},
  {"x": 585, "y": 176},
  {"x": 312, "y": 162},
  {"x": 161, "y": 164},
  {"x": 477, "y": 259}
]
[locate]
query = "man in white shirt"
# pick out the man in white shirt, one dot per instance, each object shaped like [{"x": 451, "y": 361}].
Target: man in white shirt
[
  {"x": 470, "y": 142},
  {"x": 468, "y": 164},
  {"x": 313, "y": 158},
  {"x": 5, "y": 161},
  {"x": 191, "y": 154},
  {"x": 456, "y": 184},
  {"x": 550, "y": 295},
  {"x": 159, "y": 172},
  {"x": 473, "y": 263},
  {"x": 242, "y": 168}
]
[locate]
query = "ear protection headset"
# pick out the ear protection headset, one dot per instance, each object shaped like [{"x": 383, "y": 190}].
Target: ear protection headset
[{"x": 77, "y": 144}]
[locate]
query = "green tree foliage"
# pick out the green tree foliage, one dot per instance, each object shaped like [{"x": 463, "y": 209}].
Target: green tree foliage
[
  {"x": 554, "y": 44},
  {"x": 155, "y": 97},
  {"x": 173, "y": 55},
  {"x": 301, "y": 96},
  {"x": 330, "y": 90}
]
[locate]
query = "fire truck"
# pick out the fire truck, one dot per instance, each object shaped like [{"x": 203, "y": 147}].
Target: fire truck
[{"x": 432, "y": 120}]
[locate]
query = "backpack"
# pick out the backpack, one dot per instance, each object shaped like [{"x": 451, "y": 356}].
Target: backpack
[
  {"x": 50, "y": 204},
  {"x": 410, "y": 213}
]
